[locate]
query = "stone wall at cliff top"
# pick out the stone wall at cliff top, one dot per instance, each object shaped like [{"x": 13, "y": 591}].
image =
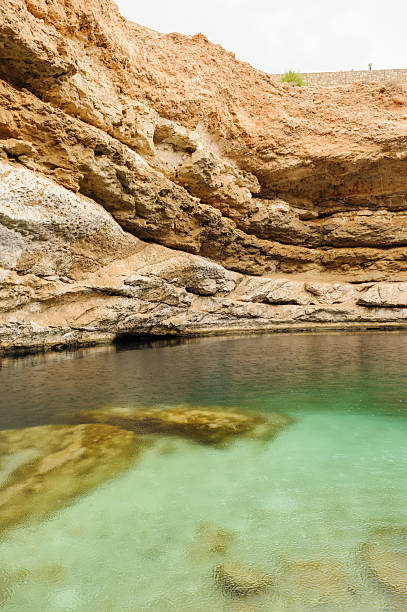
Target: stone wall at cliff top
[
  {"x": 340, "y": 78},
  {"x": 153, "y": 184}
]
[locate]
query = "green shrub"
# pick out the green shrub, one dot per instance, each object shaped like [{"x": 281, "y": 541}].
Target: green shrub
[{"x": 292, "y": 77}]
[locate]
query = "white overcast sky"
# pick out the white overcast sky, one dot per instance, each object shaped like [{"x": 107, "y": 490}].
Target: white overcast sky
[{"x": 307, "y": 36}]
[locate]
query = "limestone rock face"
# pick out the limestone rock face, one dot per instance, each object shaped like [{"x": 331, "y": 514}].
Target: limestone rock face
[
  {"x": 47, "y": 234},
  {"x": 140, "y": 195},
  {"x": 385, "y": 294}
]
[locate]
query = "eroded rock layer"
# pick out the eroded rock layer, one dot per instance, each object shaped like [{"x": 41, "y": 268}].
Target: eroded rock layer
[{"x": 153, "y": 184}]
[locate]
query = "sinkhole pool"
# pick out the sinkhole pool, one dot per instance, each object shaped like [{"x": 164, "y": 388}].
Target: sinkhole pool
[{"x": 319, "y": 510}]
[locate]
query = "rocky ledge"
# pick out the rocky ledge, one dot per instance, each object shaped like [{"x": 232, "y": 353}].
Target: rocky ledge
[{"x": 141, "y": 196}]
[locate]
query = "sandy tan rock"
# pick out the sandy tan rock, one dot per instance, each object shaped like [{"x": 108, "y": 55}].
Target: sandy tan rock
[
  {"x": 206, "y": 424},
  {"x": 52, "y": 573},
  {"x": 272, "y": 291},
  {"x": 9, "y": 581},
  {"x": 388, "y": 567},
  {"x": 152, "y": 289},
  {"x": 146, "y": 203},
  {"x": 16, "y": 148},
  {"x": 197, "y": 275},
  {"x": 225, "y": 173},
  {"x": 288, "y": 138},
  {"x": 223, "y": 148},
  {"x": 240, "y": 580},
  {"x": 42, "y": 468},
  {"x": 391, "y": 295},
  {"x": 330, "y": 293},
  {"x": 318, "y": 584},
  {"x": 47, "y": 231},
  {"x": 211, "y": 538},
  {"x": 385, "y": 559}
]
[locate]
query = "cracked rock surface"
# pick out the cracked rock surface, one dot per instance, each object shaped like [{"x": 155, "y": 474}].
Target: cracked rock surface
[{"x": 139, "y": 195}]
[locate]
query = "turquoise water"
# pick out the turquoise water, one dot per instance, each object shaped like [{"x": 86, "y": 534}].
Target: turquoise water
[{"x": 315, "y": 493}]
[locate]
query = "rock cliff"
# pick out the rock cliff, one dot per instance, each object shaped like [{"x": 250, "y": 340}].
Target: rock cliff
[{"x": 153, "y": 184}]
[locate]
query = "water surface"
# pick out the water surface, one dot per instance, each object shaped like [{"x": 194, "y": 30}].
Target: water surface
[{"x": 315, "y": 493}]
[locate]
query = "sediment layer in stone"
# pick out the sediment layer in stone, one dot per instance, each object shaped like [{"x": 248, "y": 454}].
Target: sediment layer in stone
[{"x": 140, "y": 196}]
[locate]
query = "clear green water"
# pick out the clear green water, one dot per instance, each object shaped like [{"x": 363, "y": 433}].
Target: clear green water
[{"x": 314, "y": 493}]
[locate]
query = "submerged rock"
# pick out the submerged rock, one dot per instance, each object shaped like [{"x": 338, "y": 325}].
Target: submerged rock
[
  {"x": 240, "y": 580},
  {"x": 52, "y": 573},
  {"x": 203, "y": 424},
  {"x": 317, "y": 585},
  {"x": 212, "y": 539},
  {"x": 41, "y": 468},
  {"x": 385, "y": 558},
  {"x": 9, "y": 581}
]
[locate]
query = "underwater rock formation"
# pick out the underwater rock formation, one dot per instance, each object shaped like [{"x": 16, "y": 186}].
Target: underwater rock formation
[
  {"x": 385, "y": 558},
  {"x": 141, "y": 196},
  {"x": 205, "y": 424},
  {"x": 320, "y": 584},
  {"x": 212, "y": 539},
  {"x": 239, "y": 580},
  {"x": 41, "y": 468}
]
